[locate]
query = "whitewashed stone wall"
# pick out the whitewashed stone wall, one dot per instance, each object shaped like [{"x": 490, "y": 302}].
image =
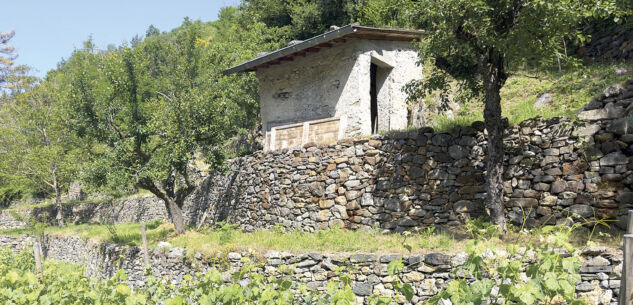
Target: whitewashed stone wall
[{"x": 335, "y": 82}]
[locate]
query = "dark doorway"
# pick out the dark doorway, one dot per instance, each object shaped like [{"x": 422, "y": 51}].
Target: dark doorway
[{"x": 373, "y": 92}]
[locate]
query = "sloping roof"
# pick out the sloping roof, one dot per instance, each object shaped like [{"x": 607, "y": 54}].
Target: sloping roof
[{"x": 325, "y": 40}]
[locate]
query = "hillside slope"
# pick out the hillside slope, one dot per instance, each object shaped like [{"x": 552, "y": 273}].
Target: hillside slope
[{"x": 569, "y": 91}]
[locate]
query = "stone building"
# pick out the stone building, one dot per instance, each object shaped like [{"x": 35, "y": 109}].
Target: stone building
[{"x": 343, "y": 83}]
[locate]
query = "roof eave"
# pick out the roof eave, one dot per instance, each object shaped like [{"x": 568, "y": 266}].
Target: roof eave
[{"x": 313, "y": 42}]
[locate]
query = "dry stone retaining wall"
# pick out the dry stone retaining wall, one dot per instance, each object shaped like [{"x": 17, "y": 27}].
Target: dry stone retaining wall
[
  {"x": 126, "y": 210},
  {"x": 427, "y": 273},
  {"x": 614, "y": 44},
  {"x": 555, "y": 168}
]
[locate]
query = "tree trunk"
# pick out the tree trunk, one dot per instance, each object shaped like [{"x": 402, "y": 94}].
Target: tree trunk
[
  {"x": 493, "y": 73},
  {"x": 58, "y": 199},
  {"x": 175, "y": 213},
  {"x": 60, "y": 212}
]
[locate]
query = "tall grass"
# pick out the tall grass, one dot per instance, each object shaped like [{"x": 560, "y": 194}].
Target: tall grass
[{"x": 571, "y": 90}]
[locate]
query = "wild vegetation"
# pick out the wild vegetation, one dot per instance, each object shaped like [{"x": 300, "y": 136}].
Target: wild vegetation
[
  {"x": 570, "y": 90},
  {"x": 59, "y": 283},
  {"x": 152, "y": 113},
  {"x": 552, "y": 277}
]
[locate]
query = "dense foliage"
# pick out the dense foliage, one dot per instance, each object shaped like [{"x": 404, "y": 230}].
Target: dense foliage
[
  {"x": 66, "y": 284},
  {"x": 145, "y": 114},
  {"x": 502, "y": 277},
  {"x": 474, "y": 42}
]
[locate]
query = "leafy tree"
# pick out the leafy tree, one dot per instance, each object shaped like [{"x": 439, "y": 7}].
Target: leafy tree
[
  {"x": 7, "y": 55},
  {"x": 302, "y": 19},
  {"x": 475, "y": 41},
  {"x": 38, "y": 148},
  {"x": 153, "y": 110}
]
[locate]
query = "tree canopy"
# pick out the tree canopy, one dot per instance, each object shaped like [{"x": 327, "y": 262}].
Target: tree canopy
[{"x": 474, "y": 42}]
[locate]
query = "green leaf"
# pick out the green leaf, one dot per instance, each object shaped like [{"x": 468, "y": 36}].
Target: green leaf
[{"x": 394, "y": 266}]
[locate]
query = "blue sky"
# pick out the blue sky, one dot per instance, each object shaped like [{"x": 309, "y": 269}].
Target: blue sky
[{"x": 48, "y": 30}]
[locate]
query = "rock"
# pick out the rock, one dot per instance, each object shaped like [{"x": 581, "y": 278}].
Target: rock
[
  {"x": 622, "y": 126},
  {"x": 351, "y": 184},
  {"x": 407, "y": 222},
  {"x": 584, "y": 287},
  {"x": 442, "y": 139},
  {"x": 444, "y": 302},
  {"x": 614, "y": 158},
  {"x": 588, "y": 130},
  {"x": 459, "y": 259},
  {"x": 362, "y": 289},
  {"x": 326, "y": 204},
  {"x": 367, "y": 199},
  {"x": 339, "y": 212},
  {"x": 598, "y": 261},
  {"x": 323, "y": 215},
  {"x": 523, "y": 202},
  {"x": 163, "y": 244},
  {"x": 437, "y": 259},
  {"x": 363, "y": 258},
  {"x": 620, "y": 71},
  {"x": 558, "y": 186},
  {"x": 549, "y": 201},
  {"x": 385, "y": 259},
  {"x": 609, "y": 112},
  {"x": 457, "y": 152},
  {"x": 392, "y": 204},
  {"x": 463, "y": 206},
  {"x": 626, "y": 198},
  {"x": 234, "y": 256},
  {"x": 582, "y": 210},
  {"x": 307, "y": 263},
  {"x": 416, "y": 172},
  {"x": 412, "y": 277},
  {"x": 544, "y": 100},
  {"x": 613, "y": 90}
]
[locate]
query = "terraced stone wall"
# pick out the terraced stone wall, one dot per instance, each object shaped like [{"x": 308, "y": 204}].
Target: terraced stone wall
[
  {"x": 555, "y": 168},
  {"x": 427, "y": 273}
]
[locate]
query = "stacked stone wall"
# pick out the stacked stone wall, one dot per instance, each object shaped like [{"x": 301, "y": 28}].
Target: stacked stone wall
[
  {"x": 613, "y": 44},
  {"x": 427, "y": 273},
  {"x": 126, "y": 210},
  {"x": 555, "y": 168}
]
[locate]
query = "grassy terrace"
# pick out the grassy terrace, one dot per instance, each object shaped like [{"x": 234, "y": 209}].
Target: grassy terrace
[
  {"x": 571, "y": 89},
  {"x": 226, "y": 238}
]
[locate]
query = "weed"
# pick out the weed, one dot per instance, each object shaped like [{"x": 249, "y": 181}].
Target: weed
[
  {"x": 481, "y": 228},
  {"x": 226, "y": 232}
]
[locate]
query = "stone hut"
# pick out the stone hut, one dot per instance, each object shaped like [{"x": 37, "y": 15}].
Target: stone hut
[{"x": 343, "y": 83}]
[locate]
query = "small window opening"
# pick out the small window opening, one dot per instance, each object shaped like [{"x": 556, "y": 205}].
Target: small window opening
[{"x": 374, "y": 98}]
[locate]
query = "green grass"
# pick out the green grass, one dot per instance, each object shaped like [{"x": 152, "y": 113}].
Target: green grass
[
  {"x": 571, "y": 89},
  {"x": 51, "y": 202},
  {"x": 226, "y": 238}
]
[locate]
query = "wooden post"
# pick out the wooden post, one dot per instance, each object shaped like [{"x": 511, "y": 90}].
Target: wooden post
[
  {"x": 145, "y": 250},
  {"x": 626, "y": 282},
  {"x": 37, "y": 253}
]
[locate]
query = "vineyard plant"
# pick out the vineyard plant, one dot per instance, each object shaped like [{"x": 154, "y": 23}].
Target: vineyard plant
[
  {"x": 61, "y": 283},
  {"x": 543, "y": 272}
]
